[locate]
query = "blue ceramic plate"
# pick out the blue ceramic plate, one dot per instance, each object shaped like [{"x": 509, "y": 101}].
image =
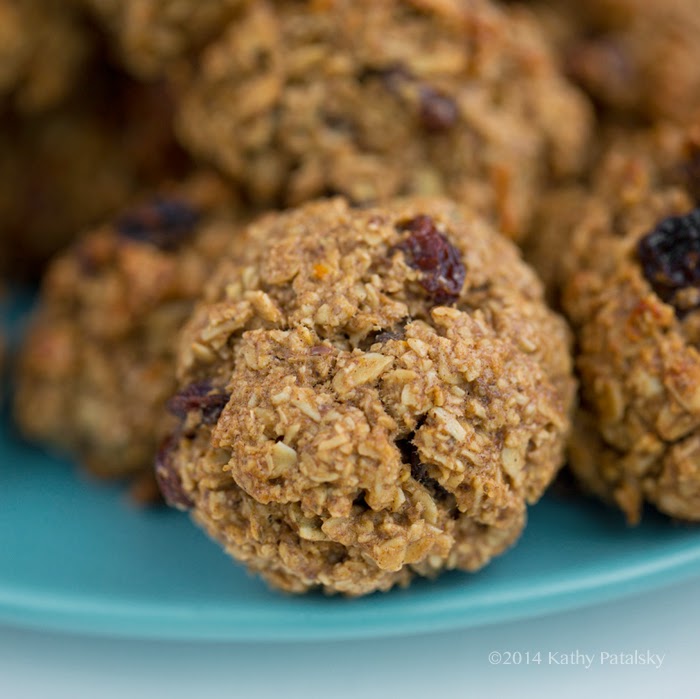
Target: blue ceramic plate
[{"x": 76, "y": 555}]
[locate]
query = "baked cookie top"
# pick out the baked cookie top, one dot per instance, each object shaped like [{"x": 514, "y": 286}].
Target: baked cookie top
[{"x": 367, "y": 393}]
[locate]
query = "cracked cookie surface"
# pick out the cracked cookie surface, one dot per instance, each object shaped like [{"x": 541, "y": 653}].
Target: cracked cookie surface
[{"x": 367, "y": 395}]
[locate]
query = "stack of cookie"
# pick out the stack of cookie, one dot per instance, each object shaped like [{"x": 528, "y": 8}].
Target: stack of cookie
[{"x": 368, "y": 386}]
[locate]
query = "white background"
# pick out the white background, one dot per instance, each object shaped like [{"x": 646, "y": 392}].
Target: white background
[{"x": 451, "y": 665}]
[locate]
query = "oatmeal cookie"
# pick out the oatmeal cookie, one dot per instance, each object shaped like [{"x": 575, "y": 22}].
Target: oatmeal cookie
[
  {"x": 68, "y": 168},
  {"x": 43, "y": 49},
  {"x": 571, "y": 217},
  {"x": 366, "y": 395},
  {"x": 634, "y": 57},
  {"x": 98, "y": 363},
  {"x": 375, "y": 99},
  {"x": 634, "y": 302},
  {"x": 153, "y": 35}
]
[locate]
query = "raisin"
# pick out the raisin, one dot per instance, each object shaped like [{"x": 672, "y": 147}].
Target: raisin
[
  {"x": 419, "y": 470},
  {"x": 430, "y": 251},
  {"x": 438, "y": 112},
  {"x": 164, "y": 223},
  {"x": 201, "y": 396},
  {"x": 168, "y": 478},
  {"x": 670, "y": 259}
]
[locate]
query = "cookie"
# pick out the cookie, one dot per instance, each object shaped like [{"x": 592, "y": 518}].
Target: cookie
[
  {"x": 367, "y": 395},
  {"x": 633, "y": 301},
  {"x": 44, "y": 47},
  {"x": 375, "y": 99},
  {"x": 99, "y": 355}
]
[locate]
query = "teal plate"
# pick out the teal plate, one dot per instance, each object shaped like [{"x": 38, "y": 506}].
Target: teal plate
[{"x": 75, "y": 555}]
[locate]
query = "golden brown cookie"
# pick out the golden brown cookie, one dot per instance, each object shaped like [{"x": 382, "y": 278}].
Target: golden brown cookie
[
  {"x": 98, "y": 363},
  {"x": 633, "y": 301},
  {"x": 375, "y": 99},
  {"x": 366, "y": 395}
]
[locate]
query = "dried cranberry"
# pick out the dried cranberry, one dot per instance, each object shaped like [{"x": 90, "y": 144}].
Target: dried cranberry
[
  {"x": 168, "y": 478},
  {"x": 430, "y": 251},
  {"x": 438, "y": 112},
  {"x": 201, "y": 396},
  {"x": 670, "y": 259},
  {"x": 165, "y": 223}
]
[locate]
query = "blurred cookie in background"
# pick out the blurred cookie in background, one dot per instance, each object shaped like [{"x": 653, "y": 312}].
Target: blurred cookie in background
[
  {"x": 638, "y": 58},
  {"x": 296, "y": 100},
  {"x": 97, "y": 364},
  {"x": 632, "y": 298}
]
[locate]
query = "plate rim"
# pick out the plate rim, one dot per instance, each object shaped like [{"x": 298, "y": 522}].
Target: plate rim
[{"x": 431, "y": 614}]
